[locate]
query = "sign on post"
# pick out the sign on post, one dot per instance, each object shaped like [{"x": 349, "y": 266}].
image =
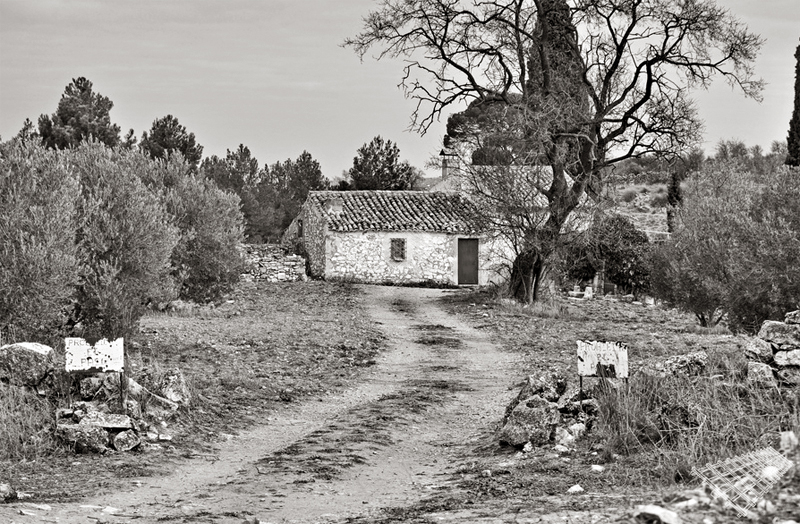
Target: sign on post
[
  {"x": 101, "y": 356},
  {"x": 602, "y": 359}
]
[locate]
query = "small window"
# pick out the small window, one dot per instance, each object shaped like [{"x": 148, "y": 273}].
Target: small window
[
  {"x": 300, "y": 228},
  {"x": 398, "y": 249}
]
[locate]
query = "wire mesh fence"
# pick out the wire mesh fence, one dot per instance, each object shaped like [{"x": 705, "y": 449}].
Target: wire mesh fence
[{"x": 744, "y": 480}]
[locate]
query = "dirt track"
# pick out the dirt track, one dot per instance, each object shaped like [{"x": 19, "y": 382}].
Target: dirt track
[{"x": 434, "y": 396}]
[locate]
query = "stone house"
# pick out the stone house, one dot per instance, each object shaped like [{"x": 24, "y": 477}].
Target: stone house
[{"x": 393, "y": 237}]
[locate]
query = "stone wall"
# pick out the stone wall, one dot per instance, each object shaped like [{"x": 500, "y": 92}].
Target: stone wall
[
  {"x": 774, "y": 353},
  {"x": 269, "y": 263}
]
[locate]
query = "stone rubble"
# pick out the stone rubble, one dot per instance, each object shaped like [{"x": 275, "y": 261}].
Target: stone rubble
[
  {"x": 774, "y": 353},
  {"x": 548, "y": 410}
]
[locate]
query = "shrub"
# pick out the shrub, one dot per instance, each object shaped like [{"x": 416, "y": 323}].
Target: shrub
[
  {"x": 206, "y": 262},
  {"x": 614, "y": 244},
  {"x": 735, "y": 247},
  {"x": 125, "y": 238},
  {"x": 38, "y": 255},
  {"x": 658, "y": 200},
  {"x": 27, "y": 424},
  {"x": 629, "y": 195}
]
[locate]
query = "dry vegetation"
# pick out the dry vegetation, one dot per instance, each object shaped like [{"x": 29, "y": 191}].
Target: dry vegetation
[{"x": 265, "y": 345}]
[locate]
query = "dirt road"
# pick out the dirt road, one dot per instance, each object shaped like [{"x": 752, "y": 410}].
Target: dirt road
[{"x": 432, "y": 398}]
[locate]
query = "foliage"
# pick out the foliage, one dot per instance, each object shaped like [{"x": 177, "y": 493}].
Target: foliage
[
  {"x": 167, "y": 135},
  {"x": 125, "y": 239},
  {"x": 793, "y": 141},
  {"x": 237, "y": 171},
  {"x": 206, "y": 262},
  {"x": 735, "y": 247},
  {"x": 613, "y": 244},
  {"x": 38, "y": 257},
  {"x": 81, "y": 114},
  {"x": 377, "y": 165},
  {"x": 577, "y": 86},
  {"x": 283, "y": 191}
]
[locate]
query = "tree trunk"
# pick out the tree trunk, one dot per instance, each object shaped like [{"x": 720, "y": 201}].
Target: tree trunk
[{"x": 526, "y": 276}]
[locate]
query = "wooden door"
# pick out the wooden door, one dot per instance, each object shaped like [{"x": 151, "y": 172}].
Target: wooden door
[{"x": 467, "y": 261}]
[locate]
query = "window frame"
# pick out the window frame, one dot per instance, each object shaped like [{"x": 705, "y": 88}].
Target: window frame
[{"x": 398, "y": 249}]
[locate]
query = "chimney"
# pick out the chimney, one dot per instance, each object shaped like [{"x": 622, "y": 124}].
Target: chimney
[
  {"x": 334, "y": 205},
  {"x": 449, "y": 162}
]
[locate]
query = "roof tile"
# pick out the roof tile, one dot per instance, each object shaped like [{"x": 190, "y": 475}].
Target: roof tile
[{"x": 444, "y": 212}]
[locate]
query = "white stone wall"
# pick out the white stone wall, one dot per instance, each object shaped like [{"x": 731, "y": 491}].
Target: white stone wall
[{"x": 430, "y": 257}]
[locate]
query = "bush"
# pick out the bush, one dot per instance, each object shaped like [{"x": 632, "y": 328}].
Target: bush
[
  {"x": 206, "y": 262},
  {"x": 27, "y": 425},
  {"x": 125, "y": 238},
  {"x": 612, "y": 243},
  {"x": 38, "y": 255},
  {"x": 735, "y": 247},
  {"x": 629, "y": 195}
]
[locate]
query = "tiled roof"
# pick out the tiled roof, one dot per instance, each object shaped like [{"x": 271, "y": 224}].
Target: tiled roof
[{"x": 444, "y": 212}]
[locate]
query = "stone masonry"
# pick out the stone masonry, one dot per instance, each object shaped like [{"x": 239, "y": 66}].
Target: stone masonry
[
  {"x": 269, "y": 263},
  {"x": 774, "y": 354}
]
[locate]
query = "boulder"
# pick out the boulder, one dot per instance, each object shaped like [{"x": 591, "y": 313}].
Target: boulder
[
  {"x": 793, "y": 317},
  {"x": 126, "y": 440},
  {"x": 758, "y": 349},
  {"x": 788, "y": 358},
  {"x": 106, "y": 420},
  {"x": 533, "y": 420},
  {"x": 25, "y": 363},
  {"x": 85, "y": 437},
  {"x": 784, "y": 335},
  {"x": 550, "y": 387},
  {"x": 652, "y": 514},
  {"x": 90, "y": 386},
  {"x": 688, "y": 364},
  {"x": 174, "y": 388},
  {"x": 760, "y": 374}
]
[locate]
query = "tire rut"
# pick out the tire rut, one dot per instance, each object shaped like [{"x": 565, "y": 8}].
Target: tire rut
[{"x": 392, "y": 440}]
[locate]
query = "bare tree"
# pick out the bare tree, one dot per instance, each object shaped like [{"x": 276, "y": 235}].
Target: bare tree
[{"x": 575, "y": 85}]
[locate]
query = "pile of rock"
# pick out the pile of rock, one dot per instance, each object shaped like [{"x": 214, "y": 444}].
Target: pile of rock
[
  {"x": 90, "y": 424},
  {"x": 774, "y": 354},
  {"x": 269, "y": 263},
  {"x": 548, "y": 409}
]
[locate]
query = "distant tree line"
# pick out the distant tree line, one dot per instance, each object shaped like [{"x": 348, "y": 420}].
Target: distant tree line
[{"x": 270, "y": 196}]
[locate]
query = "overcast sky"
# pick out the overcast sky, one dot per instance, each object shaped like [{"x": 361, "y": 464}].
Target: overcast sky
[{"x": 271, "y": 74}]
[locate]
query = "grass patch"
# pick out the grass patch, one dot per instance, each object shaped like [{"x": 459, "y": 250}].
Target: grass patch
[
  {"x": 27, "y": 424},
  {"x": 684, "y": 421}
]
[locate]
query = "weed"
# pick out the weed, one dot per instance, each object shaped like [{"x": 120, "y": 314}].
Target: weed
[
  {"x": 28, "y": 422},
  {"x": 680, "y": 421}
]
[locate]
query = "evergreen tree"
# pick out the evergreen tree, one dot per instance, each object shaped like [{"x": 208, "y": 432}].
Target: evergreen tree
[
  {"x": 793, "y": 158},
  {"x": 377, "y": 165},
  {"x": 168, "y": 135},
  {"x": 81, "y": 114}
]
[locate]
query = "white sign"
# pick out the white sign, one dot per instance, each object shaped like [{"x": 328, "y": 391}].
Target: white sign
[
  {"x": 102, "y": 356},
  {"x": 602, "y": 359}
]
